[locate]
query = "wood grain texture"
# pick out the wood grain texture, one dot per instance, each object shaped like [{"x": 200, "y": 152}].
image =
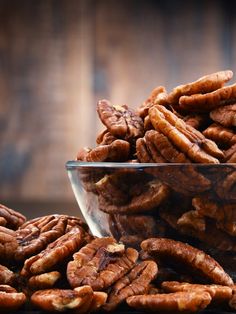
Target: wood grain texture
[{"x": 59, "y": 57}]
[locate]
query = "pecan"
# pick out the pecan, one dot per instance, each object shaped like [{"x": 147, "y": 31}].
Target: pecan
[
  {"x": 205, "y": 84},
  {"x": 158, "y": 96},
  {"x": 225, "y": 187},
  {"x": 225, "y": 115},
  {"x": 209, "y": 101},
  {"x": 36, "y": 234},
  {"x": 192, "y": 219},
  {"x": 7, "y": 277},
  {"x": 44, "y": 281},
  {"x": 93, "y": 304},
  {"x": 134, "y": 228},
  {"x": 185, "y": 179},
  {"x": 100, "y": 263},
  {"x": 218, "y": 293},
  {"x": 176, "y": 302},
  {"x": 220, "y": 134},
  {"x": 121, "y": 121},
  {"x": 105, "y": 138},
  {"x": 116, "y": 151},
  {"x": 144, "y": 154},
  {"x": 230, "y": 154},
  {"x": 10, "y": 299},
  {"x": 54, "y": 253},
  {"x": 135, "y": 282},
  {"x": 60, "y": 300},
  {"x": 223, "y": 213},
  {"x": 188, "y": 255},
  {"x": 184, "y": 137},
  {"x": 13, "y": 218},
  {"x": 150, "y": 196},
  {"x": 8, "y": 244},
  {"x": 3, "y": 221},
  {"x": 159, "y": 145},
  {"x": 196, "y": 120}
]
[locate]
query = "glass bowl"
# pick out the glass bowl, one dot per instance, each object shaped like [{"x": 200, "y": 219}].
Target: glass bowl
[{"x": 194, "y": 203}]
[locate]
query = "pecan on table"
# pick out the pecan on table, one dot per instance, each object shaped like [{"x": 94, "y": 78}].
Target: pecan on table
[
  {"x": 55, "y": 253},
  {"x": 134, "y": 283},
  {"x": 220, "y": 294},
  {"x": 205, "y": 84},
  {"x": 188, "y": 255},
  {"x": 36, "y": 234},
  {"x": 206, "y": 102},
  {"x": 176, "y": 302},
  {"x": 221, "y": 135},
  {"x": 13, "y": 219},
  {"x": 118, "y": 150},
  {"x": 121, "y": 121},
  {"x": 148, "y": 196},
  {"x": 187, "y": 139},
  {"x": 100, "y": 263},
  {"x": 10, "y": 299},
  {"x": 225, "y": 115},
  {"x": 44, "y": 281}
]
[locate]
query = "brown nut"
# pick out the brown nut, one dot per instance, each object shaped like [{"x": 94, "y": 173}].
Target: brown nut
[
  {"x": 152, "y": 194},
  {"x": 192, "y": 219},
  {"x": 7, "y": 277},
  {"x": 60, "y": 300},
  {"x": 223, "y": 213},
  {"x": 206, "y": 102},
  {"x": 8, "y": 244},
  {"x": 100, "y": 263},
  {"x": 118, "y": 150},
  {"x": 220, "y": 135},
  {"x": 184, "y": 137},
  {"x": 205, "y": 84},
  {"x": 135, "y": 282},
  {"x": 230, "y": 154},
  {"x": 44, "y": 281},
  {"x": 219, "y": 293},
  {"x": 120, "y": 121},
  {"x": 10, "y": 299},
  {"x": 13, "y": 218},
  {"x": 225, "y": 115},
  {"x": 105, "y": 138},
  {"x": 55, "y": 253},
  {"x": 190, "y": 256},
  {"x": 177, "y": 302}
]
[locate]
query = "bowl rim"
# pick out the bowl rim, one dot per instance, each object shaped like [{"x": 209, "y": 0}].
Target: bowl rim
[{"x": 73, "y": 164}]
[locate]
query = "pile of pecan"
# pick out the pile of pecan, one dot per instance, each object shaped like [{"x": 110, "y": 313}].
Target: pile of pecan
[
  {"x": 54, "y": 264},
  {"x": 179, "y": 131}
]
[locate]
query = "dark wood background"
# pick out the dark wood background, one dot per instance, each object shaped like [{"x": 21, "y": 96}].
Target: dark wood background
[{"x": 58, "y": 57}]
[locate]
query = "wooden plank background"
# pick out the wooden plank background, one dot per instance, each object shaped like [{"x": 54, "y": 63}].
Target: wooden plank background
[{"x": 58, "y": 57}]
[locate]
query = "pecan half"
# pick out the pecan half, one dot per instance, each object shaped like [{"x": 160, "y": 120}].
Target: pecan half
[
  {"x": 7, "y": 277},
  {"x": 8, "y": 244},
  {"x": 121, "y": 121},
  {"x": 135, "y": 282},
  {"x": 176, "y": 302},
  {"x": 118, "y": 150},
  {"x": 205, "y": 84},
  {"x": 184, "y": 137},
  {"x": 13, "y": 218},
  {"x": 55, "y": 252},
  {"x": 105, "y": 138},
  {"x": 206, "y": 102},
  {"x": 230, "y": 154},
  {"x": 100, "y": 263},
  {"x": 223, "y": 213},
  {"x": 189, "y": 256},
  {"x": 220, "y": 135},
  {"x": 10, "y": 299},
  {"x": 148, "y": 197},
  {"x": 218, "y": 293},
  {"x": 44, "y": 281},
  {"x": 60, "y": 300},
  {"x": 225, "y": 115}
]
